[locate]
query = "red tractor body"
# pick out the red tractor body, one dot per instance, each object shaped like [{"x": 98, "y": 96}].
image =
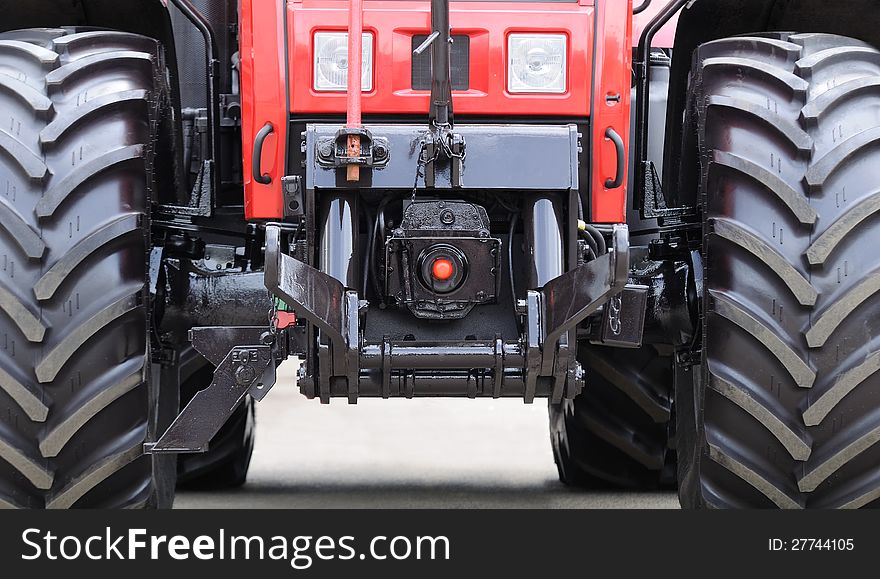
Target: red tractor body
[{"x": 276, "y": 83}]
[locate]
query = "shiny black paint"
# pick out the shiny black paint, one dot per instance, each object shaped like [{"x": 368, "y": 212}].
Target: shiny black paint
[
  {"x": 246, "y": 359},
  {"x": 337, "y": 252},
  {"x": 214, "y": 299},
  {"x": 537, "y": 362},
  {"x": 458, "y": 231},
  {"x": 544, "y": 239}
]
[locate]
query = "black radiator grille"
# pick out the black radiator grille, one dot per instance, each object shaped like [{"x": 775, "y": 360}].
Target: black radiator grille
[{"x": 459, "y": 63}]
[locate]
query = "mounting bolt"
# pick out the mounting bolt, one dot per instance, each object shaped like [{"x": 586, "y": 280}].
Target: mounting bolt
[
  {"x": 380, "y": 151},
  {"x": 447, "y": 217},
  {"x": 245, "y": 375},
  {"x": 325, "y": 150},
  {"x": 578, "y": 378}
]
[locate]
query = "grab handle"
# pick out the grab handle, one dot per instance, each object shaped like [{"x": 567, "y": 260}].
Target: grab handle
[
  {"x": 621, "y": 159},
  {"x": 259, "y": 177}
]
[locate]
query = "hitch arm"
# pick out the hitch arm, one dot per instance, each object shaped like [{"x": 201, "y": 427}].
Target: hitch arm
[
  {"x": 563, "y": 303},
  {"x": 322, "y": 300},
  {"x": 568, "y": 300},
  {"x": 245, "y": 369}
]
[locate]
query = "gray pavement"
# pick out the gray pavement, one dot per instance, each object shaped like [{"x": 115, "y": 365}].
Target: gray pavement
[{"x": 405, "y": 454}]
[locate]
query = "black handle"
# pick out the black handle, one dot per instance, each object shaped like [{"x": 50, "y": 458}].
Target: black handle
[
  {"x": 642, "y": 7},
  {"x": 261, "y": 178},
  {"x": 621, "y": 159}
]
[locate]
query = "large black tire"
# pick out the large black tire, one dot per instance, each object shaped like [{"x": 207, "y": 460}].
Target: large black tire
[
  {"x": 787, "y": 411},
  {"x": 80, "y": 119},
  {"x": 615, "y": 434},
  {"x": 225, "y": 464}
]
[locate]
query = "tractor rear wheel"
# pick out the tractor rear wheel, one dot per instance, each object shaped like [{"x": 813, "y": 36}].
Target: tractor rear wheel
[
  {"x": 615, "y": 433},
  {"x": 77, "y": 164},
  {"x": 787, "y": 411}
]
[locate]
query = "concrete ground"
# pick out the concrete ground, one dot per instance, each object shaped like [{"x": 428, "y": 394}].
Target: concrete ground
[{"x": 405, "y": 454}]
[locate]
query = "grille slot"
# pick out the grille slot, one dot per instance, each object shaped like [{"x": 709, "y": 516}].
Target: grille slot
[{"x": 459, "y": 63}]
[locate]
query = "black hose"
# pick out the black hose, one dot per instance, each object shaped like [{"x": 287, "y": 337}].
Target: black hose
[
  {"x": 601, "y": 246},
  {"x": 591, "y": 242},
  {"x": 372, "y": 255},
  {"x": 380, "y": 218},
  {"x": 378, "y": 229},
  {"x": 514, "y": 220},
  {"x": 591, "y": 256},
  {"x": 368, "y": 251},
  {"x": 580, "y": 207}
]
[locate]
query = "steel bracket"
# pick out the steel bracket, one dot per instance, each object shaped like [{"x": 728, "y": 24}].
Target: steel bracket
[
  {"x": 202, "y": 196},
  {"x": 654, "y": 201},
  {"x": 333, "y": 152},
  {"x": 563, "y": 303},
  {"x": 443, "y": 143},
  {"x": 623, "y": 321},
  {"x": 294, "y": 202},
  {"x": 242, "y": 370},
  {"x": 322, "y": 300},
  {"x": 546, "y": 360}
]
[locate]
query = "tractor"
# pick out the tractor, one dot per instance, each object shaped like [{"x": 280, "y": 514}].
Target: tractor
[{"x": 653, "y": 216}]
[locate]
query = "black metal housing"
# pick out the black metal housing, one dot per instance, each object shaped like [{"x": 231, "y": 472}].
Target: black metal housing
[
  {"x": 457, "y": 231},
  {"x": 538, "y": 362}
]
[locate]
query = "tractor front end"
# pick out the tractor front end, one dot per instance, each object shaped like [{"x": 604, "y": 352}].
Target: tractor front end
[
  {"x": 450, "y": 218},
  {"x": 423, "y": 214}
]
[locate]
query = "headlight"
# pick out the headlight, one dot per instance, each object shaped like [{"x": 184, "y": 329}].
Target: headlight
[
  {"x": 536, "y": 63},
  {"x": 331, "y": 61}
]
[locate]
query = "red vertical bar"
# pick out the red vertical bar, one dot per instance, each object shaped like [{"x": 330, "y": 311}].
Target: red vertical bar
[
  {"x": 263, "y": 100},
  {"x": 611, "y": 106},
  {"x": 355, "y": 66}
]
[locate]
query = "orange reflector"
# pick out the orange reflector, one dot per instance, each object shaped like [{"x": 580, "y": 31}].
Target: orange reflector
[{"x": 442, "y": 269}]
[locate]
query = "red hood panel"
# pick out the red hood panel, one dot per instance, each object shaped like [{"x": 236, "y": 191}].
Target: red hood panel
[{"x": 394, "y": 23}]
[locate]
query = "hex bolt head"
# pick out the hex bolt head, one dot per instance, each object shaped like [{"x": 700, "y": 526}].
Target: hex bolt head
[
  {"x": 379, "y": 150},
  {"x": 447, "y": 217}
]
